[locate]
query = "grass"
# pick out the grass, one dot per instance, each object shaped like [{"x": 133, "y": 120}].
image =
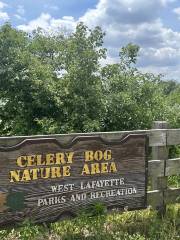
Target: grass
[{"x": 134, "y": 225}]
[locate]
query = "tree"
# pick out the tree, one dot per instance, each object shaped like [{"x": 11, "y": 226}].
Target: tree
[
  {"x": 133, "y": 99},
  {"x": 23, "y": 85},
  {"x": 173, "y": 113},
  {"x": 54, "y": 83},
  {"x": 77, "y": 89}
]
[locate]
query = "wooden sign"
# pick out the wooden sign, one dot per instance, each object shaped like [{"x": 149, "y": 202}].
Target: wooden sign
[{"x": 44, "y": 180}]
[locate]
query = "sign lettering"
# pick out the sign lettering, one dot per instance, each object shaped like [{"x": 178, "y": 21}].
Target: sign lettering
[{"x": 43, "y": 180}]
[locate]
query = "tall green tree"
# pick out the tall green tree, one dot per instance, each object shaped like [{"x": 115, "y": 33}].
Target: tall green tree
[
  {"x": 133, "y": 99},
  {"x": 54, "y": 83},
  {"x": 77, "y": 88},
  {"x": 24, "y": 95}
]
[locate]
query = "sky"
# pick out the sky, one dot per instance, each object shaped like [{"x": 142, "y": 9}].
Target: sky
[{"x": 152, "y": 24}]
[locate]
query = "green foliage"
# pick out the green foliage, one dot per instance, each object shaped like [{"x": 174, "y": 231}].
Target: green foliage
[
  {"x": 78, "y": 92},
  {"x": 133, "y": 99},
  {"x": 54, "y": 83},
  {"x": 128, "y": 55},
  {"x": 95, "y": 209},
  {"x": 23, "y": 85},
  {"x": 30, "y": 231},
  {"x": 174, "y": 181},
  {"x": 134, "y": 225},
  {"x": 173, "y": 107}
]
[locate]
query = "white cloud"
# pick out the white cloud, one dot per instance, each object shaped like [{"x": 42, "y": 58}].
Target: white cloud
[
  {"x": 160, "y": 57},
  {"x": 3, "y": 15},
  {"x": 20, "y": 10},
  {"x": 177, "y": 12},
  {"x": 48, "y": 23},
  {"x": 19, "y": 17},
  {"x": 124, "y": 12},
  {"x": 127, "y": 21},
  {"x": 3, "y": 5},
  {"x": 169, "y": 74},
  {"x": 138, "y": 21}
]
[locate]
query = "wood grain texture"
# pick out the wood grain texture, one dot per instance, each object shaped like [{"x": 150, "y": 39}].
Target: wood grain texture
[
  {"x": 155, "y": 198},
  {"x": 36, "y": 199},
  {"x": 173, "y": 136},
  {"x": 160, "y": 153},
  {"x": 155, "y": 168},
  {"x": 157, "y": 137}
]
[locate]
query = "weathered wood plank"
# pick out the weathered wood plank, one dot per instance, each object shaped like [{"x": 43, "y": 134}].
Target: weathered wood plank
[
  {"x": 160, "y": 153},
  {"x": 173, "y": 136},
  {"x": 172, "y": 166},
  {"x": 155, "y": 168},
  {"x": 157, "y": 137},
  {"x": 155, "y": 198}
]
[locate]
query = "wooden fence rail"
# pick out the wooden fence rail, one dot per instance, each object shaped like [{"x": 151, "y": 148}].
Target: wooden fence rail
[
  {"x": 156, "y": 167},
  {"x": 157, "y": 137},
  {"x": 159, "y": 166}
]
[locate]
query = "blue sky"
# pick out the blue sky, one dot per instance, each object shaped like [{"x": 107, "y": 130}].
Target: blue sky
[
  {"x": 152, "y": 24},
  {"x": 57, "y": 8}
]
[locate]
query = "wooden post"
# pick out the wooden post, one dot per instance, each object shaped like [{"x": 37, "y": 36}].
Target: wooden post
[{"x": 160, "y": 153}]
